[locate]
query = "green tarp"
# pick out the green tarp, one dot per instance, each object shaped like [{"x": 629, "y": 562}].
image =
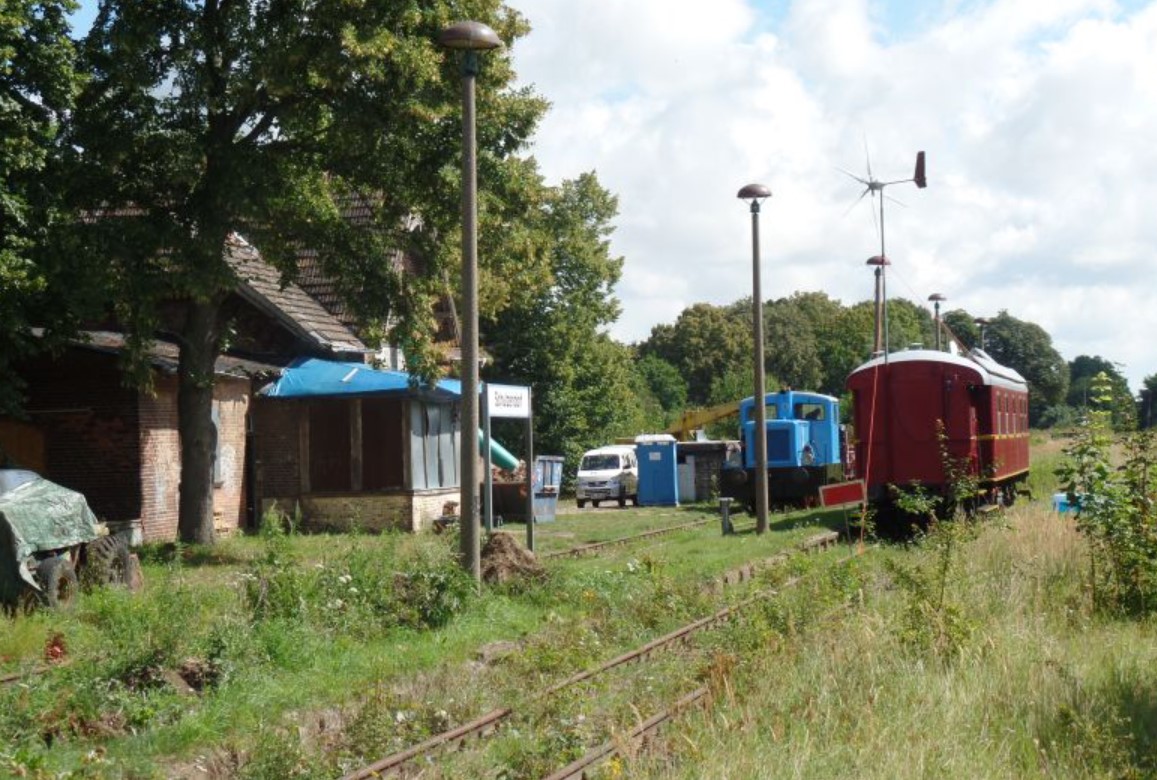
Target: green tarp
[{"x": 38, "y": 516}]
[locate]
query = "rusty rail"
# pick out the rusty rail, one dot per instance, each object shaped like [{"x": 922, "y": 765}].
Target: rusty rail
[
  {"x": 489, "y": 722},
  {"x": 577, "y": 769}
]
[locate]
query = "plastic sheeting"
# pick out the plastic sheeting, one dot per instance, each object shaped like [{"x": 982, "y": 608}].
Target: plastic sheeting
[
  {"x": 312, "y": 377},
  {"x": 38, "y": 516}
]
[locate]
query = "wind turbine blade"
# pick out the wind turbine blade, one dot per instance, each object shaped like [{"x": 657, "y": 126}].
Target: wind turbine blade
[
  {"x": 867, "y": 157},
  {"x": 900, "y": 203},
  {"x": 919, "y": 178},
  {"x": 855, "y": 203},
  {"x": 854, "y": 176}
]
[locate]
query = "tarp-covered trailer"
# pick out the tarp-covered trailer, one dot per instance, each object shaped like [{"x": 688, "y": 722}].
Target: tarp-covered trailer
[{"x": 47, "y": 535}]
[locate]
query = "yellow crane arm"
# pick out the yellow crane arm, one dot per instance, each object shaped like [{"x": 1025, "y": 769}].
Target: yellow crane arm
[{"x": 693, "y": 419}]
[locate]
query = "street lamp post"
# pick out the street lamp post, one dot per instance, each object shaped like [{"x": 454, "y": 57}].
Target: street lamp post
[
  {"x": 881, "y": 338},
  {"x": 757, "y": 193},
  {"x": 981, "y": 322},
  {"x": 471, "y": 38},
  {"x": 936, "y": 298}
]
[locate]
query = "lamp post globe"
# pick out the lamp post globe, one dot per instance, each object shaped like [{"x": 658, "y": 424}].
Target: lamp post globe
[{"x": 936, "y": 298}]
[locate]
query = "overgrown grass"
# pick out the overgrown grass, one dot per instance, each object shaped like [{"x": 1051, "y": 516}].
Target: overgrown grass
[
  {"x": 1035, "y": 688},
  {"x": 283, "y": 630}
]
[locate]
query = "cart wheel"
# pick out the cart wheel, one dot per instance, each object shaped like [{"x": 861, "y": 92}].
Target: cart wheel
[
  {"x": 622, "y": 501},
  {"x": 58, "y": 582},
  {"x": 108, "y": 561},
  {"x": 581, "y": 502}
]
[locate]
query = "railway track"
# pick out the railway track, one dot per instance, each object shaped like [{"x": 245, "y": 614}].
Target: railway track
[
  {"x": 488, "y": 723},
  {"x": 586, "y": 549}
]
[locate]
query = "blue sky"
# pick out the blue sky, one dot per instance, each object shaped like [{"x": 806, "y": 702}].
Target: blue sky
[{"x": 1037, "y": 116}]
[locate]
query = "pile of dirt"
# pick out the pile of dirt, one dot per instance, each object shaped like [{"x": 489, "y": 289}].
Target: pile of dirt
[
  {"x": 504, "y": 559},
  {"x": 502, "y": 477}
]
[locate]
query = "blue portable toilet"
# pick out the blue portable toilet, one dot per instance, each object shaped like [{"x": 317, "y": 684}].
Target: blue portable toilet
[
  {"x": 658, "y": 470},
  {"x": 546, "y": 482}
]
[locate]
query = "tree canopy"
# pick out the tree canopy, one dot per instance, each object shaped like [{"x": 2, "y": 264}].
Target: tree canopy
[
  {"x": 38, "y": 83},
  {"x": 200, "y": 119}
]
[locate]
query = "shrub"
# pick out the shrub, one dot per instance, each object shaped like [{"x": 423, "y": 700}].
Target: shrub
[{"x": 1116, "y": 509}]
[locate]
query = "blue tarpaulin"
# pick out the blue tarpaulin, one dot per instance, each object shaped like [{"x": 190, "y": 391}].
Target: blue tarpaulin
[{"x": 312, "y": 377}]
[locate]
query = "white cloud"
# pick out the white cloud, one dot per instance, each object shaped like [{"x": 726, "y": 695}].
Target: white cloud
[{"x": 1038, "y": 120}]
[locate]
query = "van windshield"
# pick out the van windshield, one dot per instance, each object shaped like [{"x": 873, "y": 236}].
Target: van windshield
[{"x": 599, "y": 463}]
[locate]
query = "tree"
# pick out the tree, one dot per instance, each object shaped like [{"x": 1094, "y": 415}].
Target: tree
[
  {"x": 704, "y": 342},
  {"x": 202, "y": 118},
  {"x": 1084, "y": 371},
  {"x": 791, "y": 346},
  {"x": 909, "y": 324},
  {"x": 662, "y": 382},
  {"x": 37, "y": 87},
  {"x": 963, "y": 326},
  {"x": 549, "y": 332},
  {"x": 1028, "y": 349}
]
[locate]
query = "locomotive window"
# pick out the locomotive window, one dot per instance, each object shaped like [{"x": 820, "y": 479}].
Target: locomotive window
[{"x": 809, "y": 412}]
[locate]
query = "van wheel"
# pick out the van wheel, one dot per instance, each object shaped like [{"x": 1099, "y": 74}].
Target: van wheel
[
  {"x": 581, "y": 502},
  {"x": 594, "y": 503}
]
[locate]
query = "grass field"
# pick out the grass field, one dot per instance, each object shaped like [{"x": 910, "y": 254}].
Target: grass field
[
  {"x": 282, "y": 630},
  {"x": 971, "y": 653}
]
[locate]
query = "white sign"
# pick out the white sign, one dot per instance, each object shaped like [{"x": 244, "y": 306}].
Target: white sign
[{"x": 508, "y": 401}]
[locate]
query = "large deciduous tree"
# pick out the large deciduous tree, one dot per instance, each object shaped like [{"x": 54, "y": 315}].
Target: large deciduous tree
[
  {"x": 202, "y": 118},
  {"x": 555, "y": 290},
  {"x": 37, "y": 87},
  {"x": 1027, "y": 348},
  {"x": 703, "y": 343},
  {"x": 1085, "y": 371}
]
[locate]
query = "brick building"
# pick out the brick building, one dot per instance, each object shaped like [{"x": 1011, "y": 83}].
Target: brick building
[{"x": 120, "y": 447}]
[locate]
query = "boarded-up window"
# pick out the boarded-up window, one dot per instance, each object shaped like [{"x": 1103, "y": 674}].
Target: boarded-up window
[
  {"x": 382, "y": 445},
  {"x": 329, "y": 445}
]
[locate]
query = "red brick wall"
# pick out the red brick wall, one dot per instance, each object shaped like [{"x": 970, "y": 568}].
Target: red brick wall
[
  {"x": 161, "y": 458},
  {"x": 89, "y": 426},
  {"x": 232, "y": 399},
  {"x": 160, "y": 476},
  {"x": 275, "y": 444}
]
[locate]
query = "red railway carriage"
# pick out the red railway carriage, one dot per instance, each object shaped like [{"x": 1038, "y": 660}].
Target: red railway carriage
[{"x": 897, "y": 402}]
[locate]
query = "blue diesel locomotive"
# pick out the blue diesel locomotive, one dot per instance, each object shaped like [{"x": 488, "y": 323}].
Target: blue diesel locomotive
[{"x": 805, "y": 449}]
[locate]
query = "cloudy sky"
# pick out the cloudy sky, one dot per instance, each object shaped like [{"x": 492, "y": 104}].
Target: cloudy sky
[{"x": 1038, "y": 117}]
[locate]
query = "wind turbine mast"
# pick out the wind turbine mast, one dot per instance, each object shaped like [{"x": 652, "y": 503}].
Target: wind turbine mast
[{"x": 874, "y": 186}]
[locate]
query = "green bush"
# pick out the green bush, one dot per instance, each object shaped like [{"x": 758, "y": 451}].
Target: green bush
[{"x": 1117, "y": 507}]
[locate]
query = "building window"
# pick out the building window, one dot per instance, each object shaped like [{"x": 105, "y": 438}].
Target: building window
[{"x": 434, "y": 445}]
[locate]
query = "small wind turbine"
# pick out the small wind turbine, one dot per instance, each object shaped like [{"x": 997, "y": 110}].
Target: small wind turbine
[{"x": 874, "y": 186}]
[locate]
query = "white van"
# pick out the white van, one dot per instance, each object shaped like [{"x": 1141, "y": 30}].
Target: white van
[{"x": 608, "y": 473}]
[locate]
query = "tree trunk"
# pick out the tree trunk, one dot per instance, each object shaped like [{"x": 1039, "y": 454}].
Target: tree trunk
[{"x": 199, "y": 347}]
